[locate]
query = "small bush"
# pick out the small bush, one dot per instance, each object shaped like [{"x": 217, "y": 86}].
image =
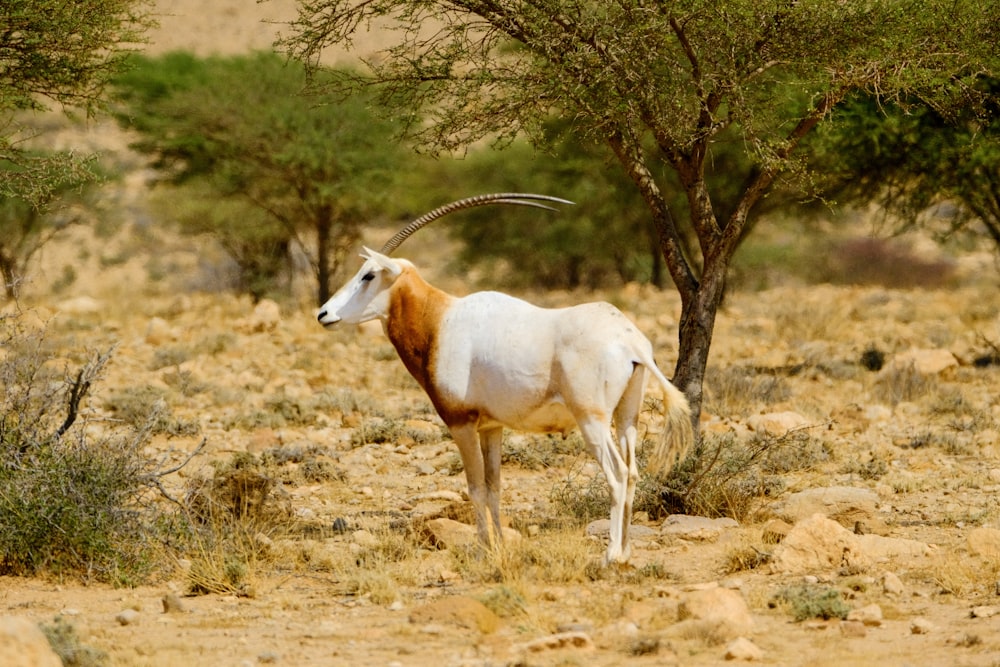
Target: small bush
[
  {"x": 806, "y": 601},
  {"x": 66, "y": 643},
  {"x": 70, "y": 502}
]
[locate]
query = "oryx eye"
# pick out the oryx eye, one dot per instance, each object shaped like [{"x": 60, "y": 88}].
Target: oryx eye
[{"x": 368, "y": 276}]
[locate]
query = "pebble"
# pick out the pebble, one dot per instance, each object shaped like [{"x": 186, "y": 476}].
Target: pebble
[
  {"x": 172, "y": 604},
  {"x": 921, "y": 626},
  {"x": 127, "y": 617}
]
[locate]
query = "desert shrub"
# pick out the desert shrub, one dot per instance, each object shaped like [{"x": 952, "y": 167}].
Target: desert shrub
[
  {"x": 231, "y": 516},
  {"x": 737, "y": 390},
  {"x": 147, "y": 407},
  {"x": 70, "y": 502},
  {"x": 810, "y": 601},
  {"x": 66, "y": 643},
  {"x": 901, "y": 383},
  {"x": 726, "y": 476}
]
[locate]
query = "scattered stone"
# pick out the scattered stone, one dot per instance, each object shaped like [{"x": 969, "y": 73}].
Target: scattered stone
[
  {"x": 268, "y": 658},
  {"x": 892, "y": 584},
  {"x": 821, "y": 544},
  {"x": 985, "y": 542},
  {"x": 580, "y": 640},
  {"x": 985, "y": 611},
  {"x": 602, "y": 528},
  {"x": 721, "y": 613},
  {"x": 172, "y": 604},
  {"x": 774, "y": 531},
  {"x": 855, "y": 629},
  {"x": 921, "y": 626},
  {"x": 869, "y": 615},
  {"x": 777, "y": 423},
  {"x": 817, "y": 543},
  {"x": 448, "y": 533},
  {"x": 696, "y": 527},
  {"x": 340, "y": 525},
  {"x": 457, "y": 610},
  {"x": 742, "y": 648},
  {"x": 424, "y": 468},
  {"x": 844, "y": 504},
  {"x": 23, "y": 644},
  {"x": 127, "y": 617}
]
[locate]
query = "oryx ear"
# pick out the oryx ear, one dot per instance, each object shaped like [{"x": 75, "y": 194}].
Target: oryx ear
[{"x": 384, "y": 262}]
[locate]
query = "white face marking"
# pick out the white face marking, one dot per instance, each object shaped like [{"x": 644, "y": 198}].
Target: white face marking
[{"x": 365, "y": 296}]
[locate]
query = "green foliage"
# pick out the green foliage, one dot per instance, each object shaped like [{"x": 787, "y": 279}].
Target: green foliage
[
  {"x": 917, "y": 152},
  {"x": 805, "y": 601},
  {"x": 255, "y": 163},
  {"x": 25, "y": 227},
  {"x": 71, "y": 503},
  {"x": 606, "y": 238},
  {"x": 667, "y": 89},
  {"x": 66, "y": 642},
  {"x": 63, "y": 53}
]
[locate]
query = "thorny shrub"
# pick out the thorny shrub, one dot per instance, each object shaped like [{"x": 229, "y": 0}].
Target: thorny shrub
[{"x": 72, "y": 502}]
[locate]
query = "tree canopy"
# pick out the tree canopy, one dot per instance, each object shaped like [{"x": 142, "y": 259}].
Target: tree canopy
[
  {"x": 268, "y": 164},
  {"x": 662, "y": 83},
  {"x": 62, "y": 54}
]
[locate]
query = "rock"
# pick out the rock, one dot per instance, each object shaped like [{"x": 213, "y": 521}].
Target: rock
[
  {"x": 985, "y": 611},
  {"x": 984, "y": 542},
  {"x": 777, "y": 423},
  {"x": 821, "y": 544},
  {"x": 921, "y": 626},
  {"x": 172, "y": 604},
  {"x": 923, "y": 361},
  {"x": 448, "y": 533},
  {"x": 817, "y": 543},
  {"x": 718, "y": 612},
  {"x": 844, "y": 504},
  {"x": 457, "y": 610},
  {"x": 869, "y": 615},
  {"x": 602, "y": 528},
  {"x": 774, "y": 531},
  {"x": 580, "y": 640},
  {"x": 696, "y": 527},
  {"x": 127, "y": 617},
  {"x": 23, "y": 644},
  {"x": 742, "y": 648},
  {"x": 892, "y": 584}
]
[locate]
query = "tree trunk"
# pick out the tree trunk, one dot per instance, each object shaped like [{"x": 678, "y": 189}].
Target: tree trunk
[{"x": 324, "y": 224}]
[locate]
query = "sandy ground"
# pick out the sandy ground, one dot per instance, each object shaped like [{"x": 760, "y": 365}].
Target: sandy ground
[{"x": 311, "y": 604}]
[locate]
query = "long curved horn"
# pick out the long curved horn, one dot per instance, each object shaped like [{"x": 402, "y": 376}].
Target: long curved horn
[{"x": 518, "y": 198}]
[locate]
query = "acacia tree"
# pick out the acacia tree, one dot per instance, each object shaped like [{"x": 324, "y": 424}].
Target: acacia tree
[
  {"x": 237, "y": 128},
  {"x": 660, "y": 82},
  {"x": 910, "y": 156},
  {"x": 58, "y": 53}
]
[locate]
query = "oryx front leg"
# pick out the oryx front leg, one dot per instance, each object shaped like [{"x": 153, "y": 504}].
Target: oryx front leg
[{"x": 480, "y": 452}]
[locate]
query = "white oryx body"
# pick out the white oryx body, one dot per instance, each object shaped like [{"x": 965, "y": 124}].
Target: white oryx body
[{"x": 490, "y": 360}]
